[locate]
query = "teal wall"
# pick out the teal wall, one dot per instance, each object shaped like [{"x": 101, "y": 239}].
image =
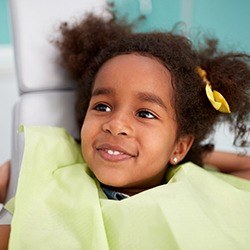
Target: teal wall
[
  {"x": 227, "y": 20},
  {"x": 162, "y": 15},
  {"x": 4, "y": 23}
]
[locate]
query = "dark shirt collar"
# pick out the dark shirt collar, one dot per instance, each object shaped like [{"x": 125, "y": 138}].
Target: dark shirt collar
[{"x": 113, "y": 195}]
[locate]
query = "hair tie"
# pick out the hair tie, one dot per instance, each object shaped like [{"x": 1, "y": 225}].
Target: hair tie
[{"x": 216, "y": 98}]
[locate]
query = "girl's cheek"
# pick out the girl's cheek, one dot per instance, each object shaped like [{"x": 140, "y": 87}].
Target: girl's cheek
[
  {"x": 88, "y": 127},
  {"x": 84, "y": 132}
]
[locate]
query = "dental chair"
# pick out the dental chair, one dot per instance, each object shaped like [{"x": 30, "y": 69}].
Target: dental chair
[{"x": 46, "y": 92}]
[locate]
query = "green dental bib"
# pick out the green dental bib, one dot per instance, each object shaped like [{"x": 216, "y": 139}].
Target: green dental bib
[{"x": 60, "y": 205}]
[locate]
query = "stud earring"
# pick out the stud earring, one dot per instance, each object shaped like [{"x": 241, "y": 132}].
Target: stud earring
[{"x": 175, "y": 160}]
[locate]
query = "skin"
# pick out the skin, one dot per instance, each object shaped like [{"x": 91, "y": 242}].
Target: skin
[
  {"x": 130, "y": 115},
  {"x": 235, "y": 164},
  {"x": 4, "y": 179},
  {"x": 4, "y": 236}
]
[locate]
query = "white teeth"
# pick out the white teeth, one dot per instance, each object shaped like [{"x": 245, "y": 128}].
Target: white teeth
[{"x": 113, "y": 152}]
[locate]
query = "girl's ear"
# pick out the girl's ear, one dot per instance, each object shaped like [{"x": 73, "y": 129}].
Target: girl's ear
[{"x": 182, "y": 146}]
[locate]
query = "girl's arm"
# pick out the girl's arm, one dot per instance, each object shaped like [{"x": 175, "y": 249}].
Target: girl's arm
[
  {"x": 231, "y": 163},
  {"x": 4, "y": 236},
  {"x": 4, "y": 180}
]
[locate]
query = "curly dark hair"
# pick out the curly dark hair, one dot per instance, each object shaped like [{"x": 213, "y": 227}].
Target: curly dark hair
[{"x": 87, "y": 45}]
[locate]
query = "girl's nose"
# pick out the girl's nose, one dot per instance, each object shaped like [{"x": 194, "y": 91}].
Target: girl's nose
[{"x": 118, "y": 125}]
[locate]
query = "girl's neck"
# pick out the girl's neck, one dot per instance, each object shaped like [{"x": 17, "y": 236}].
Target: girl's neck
[{"x": 132, "y": 190}]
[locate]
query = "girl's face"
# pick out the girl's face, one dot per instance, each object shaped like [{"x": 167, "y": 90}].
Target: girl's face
[{"x": 129, "y": 132}]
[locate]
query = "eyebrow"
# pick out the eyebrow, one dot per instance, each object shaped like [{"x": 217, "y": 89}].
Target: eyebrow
[
  {"x": 152, "y": 98},
  {"x": 103, "y": 91}
]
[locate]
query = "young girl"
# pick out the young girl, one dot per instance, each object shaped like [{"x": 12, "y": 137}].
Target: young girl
[{"x": 146, "y": 103}]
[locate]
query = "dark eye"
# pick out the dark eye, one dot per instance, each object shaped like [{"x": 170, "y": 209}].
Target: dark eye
[
  {"x": 102, "y": 107},
  {"x": 146, "y": 114}
]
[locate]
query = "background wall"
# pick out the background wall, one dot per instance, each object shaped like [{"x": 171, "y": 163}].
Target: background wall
[
  {"x": 4, "y": 23},
  {"x": 8, "y": 89},
  {"x": 226, "y": 19}
]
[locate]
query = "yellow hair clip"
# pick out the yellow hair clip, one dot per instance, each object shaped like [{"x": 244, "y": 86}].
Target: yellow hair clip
[{"x": 216, "y": 98}]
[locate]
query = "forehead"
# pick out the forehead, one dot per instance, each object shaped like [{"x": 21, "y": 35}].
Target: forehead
[{"x": 134, "y": 72}]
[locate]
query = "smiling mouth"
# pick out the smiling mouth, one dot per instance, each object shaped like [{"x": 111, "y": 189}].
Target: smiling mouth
[{"x": 115, "y": 155}]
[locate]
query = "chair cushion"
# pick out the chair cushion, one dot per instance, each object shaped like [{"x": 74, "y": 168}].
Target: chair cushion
[{"x": 35, "y": 24}]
